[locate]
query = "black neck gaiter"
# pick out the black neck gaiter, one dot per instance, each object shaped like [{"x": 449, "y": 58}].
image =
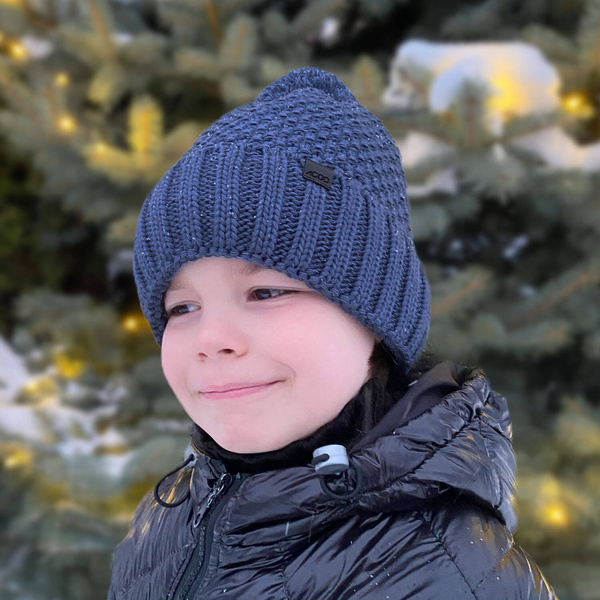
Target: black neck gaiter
[{"x": 360, "y": 415}]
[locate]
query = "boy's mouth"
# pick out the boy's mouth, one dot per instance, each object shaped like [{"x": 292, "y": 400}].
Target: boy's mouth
[{"x": 235, "y": 390}]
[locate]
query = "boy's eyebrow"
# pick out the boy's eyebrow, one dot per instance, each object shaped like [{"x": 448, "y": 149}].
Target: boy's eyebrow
[
  {"x": 252, "y": 268},
  {"x": 248, "y": 269}
]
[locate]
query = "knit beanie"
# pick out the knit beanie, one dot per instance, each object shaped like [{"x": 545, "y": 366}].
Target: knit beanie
[{"x": 303, "y": 180}]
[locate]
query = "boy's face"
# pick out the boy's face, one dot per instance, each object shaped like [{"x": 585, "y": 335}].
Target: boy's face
[{"x": 229, "y": 327}]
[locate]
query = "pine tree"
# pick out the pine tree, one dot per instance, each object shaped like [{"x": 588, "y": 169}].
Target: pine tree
[
  {"x": 101, "y": 97},
  {"x": 507, "y": 229}
]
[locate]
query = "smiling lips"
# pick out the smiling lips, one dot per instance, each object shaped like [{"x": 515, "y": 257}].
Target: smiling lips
[{"x": 235, "y": 390}]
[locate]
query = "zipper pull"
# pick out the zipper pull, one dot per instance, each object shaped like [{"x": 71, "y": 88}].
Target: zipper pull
[{"x": 223, "y": 481}]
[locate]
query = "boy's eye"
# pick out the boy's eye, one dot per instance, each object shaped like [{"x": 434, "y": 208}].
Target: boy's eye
[
  {"x": 181, "y": 309},
  {"x": 267, "y": 293},
  {"x": 259, "y": 294}
]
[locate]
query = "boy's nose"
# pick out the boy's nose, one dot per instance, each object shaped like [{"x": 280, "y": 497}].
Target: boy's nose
[{"x": 219, "y": 335}]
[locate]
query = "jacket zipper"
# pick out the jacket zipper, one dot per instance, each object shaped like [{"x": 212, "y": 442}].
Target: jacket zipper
[{"x": 205, "y": 520}]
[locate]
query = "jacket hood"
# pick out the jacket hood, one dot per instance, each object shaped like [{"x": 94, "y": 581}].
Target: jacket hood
[{"x": 448, "y": 435}]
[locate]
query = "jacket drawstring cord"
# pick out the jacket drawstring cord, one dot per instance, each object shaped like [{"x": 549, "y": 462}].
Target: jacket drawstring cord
[{"x": 188, "y": 460}]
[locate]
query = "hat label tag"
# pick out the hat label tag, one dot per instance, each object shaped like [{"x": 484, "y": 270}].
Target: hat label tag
[{"x": 318, "y": 173}]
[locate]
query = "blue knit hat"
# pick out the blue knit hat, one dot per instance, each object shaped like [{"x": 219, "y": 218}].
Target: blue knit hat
[{"x": 304, "y": 180}]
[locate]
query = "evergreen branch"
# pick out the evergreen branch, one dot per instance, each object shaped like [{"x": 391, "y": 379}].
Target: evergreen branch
[
  {"x": 555, "y": 335},
  {"x": 417, "y": 85},
  {"x": 447, "y": 304},
  {"x": 195, "y": 62},
  {"x": 504, "y": 139},
  {"x": 595, "y": 62},
  {"x": 210, "y": 88},
  {"x": 47, "y": 92},
  {"x": 52, "y": 8},
  {"x": 11, "y": 91},
  {"x": 312, "y": 15},
  {"x": 583, "y": 280},
  {"x": 471, "y": 101},
  {"x": 399, "y": 127},
  {"x": 187, "y": 20},
  {"x": 368, "y": 79},
  {"x": 35, "y": 20},
  {"x": 592, "y": 16},
  {"x": 592, "y": 197},
  {"x": 213, "y": 20},
  {"x": 102, "y": 28},
  {"x": 239, "y": 46}
]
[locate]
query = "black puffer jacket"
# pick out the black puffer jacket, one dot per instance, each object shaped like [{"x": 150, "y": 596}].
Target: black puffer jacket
[{"x": 427, "y": 515}]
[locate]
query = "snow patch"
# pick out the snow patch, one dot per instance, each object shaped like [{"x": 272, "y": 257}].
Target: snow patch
[{"x": 13, "y": 373}]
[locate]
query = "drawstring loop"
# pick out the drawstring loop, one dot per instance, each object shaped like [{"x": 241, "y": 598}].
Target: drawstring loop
[
  {"x": 325, "y": 479},
  {"x": 188, "y": 460},
  {"x": 332, "y": 464}
]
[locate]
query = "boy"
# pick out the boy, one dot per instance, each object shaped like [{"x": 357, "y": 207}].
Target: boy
[{"x": 276, "y": 265}]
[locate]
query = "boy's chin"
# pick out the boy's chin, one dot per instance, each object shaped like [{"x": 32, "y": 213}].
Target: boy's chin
[{"x": 249, "y": 445}]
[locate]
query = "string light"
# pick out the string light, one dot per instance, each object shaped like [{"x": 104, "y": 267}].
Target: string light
[
  {"x": 67, "y": 124},
  {"x": 556, "y": 515},
  {"x": 62, "y": 79},
  {"x": 100, "y": 148},
  {"x": 553, "y": 511},
  {"x": 577, "y": 105},
  {"x": 133, "y": 323},
  {"x": 573, "y": 102},
  {"x": 18, "y": 459},
  {"x": 17, "y": 50},
  {"x": 41, "y": 388},
  {"x": 68, "y": 367}
]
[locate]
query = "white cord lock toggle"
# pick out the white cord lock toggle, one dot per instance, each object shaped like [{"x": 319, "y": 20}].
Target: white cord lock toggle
[{"x": 337, "y": 460}]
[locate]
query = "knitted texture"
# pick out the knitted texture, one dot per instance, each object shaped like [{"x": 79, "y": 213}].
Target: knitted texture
[{"x": 239, "y": 191}]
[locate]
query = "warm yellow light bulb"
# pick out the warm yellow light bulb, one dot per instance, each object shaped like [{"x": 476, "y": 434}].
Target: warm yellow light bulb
[
  {"x": 556, "y": 515},
  {"x": 573, "y": 101},
  {"x": 577, "y": 105},
  {"x": 19, "y": 458},
  {"x": 62, "y": 79},
  {"x": 132, "y": 323},
  {"x": 68, "y": 367},
  {"x": 67, "y": 124},
  {"x": 100, "y": 147},
  {"x": 17, "y": 50}
]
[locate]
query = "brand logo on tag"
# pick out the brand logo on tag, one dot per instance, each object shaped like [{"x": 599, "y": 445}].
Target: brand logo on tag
[{"x": 318, "y": 173}]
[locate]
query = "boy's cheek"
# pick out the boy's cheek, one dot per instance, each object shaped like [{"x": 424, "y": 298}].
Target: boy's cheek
[{"x": 172, "y": 365}]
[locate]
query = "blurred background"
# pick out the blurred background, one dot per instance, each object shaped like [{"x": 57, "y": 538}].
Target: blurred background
[{"x": 495, "y": 106}]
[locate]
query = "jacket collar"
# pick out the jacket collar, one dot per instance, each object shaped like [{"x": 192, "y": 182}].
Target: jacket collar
[{"x": 448, "y": 434}]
